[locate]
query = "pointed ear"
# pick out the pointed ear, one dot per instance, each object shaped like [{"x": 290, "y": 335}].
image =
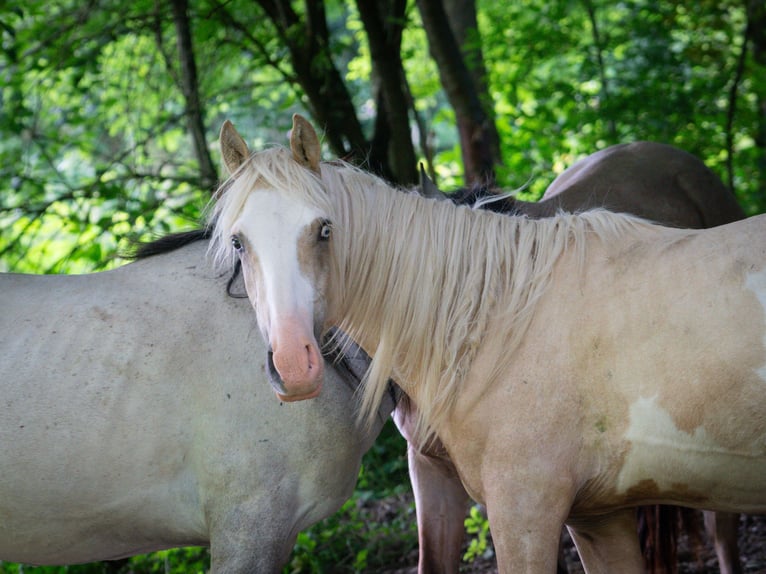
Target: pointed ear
[
  {"x": 427, "y": 187},
  {"x": 304, "y": 143},
  {"x": 233, "y": 147}
]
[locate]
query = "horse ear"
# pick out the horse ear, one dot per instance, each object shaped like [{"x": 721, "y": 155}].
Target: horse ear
[
  {"x": 233, "y": 147},
  {"x": 304, "y": 143},
  {"x": 427, "y": 187}
]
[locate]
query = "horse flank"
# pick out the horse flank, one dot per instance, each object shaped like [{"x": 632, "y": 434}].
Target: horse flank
[{"x": 419, "y": 279}]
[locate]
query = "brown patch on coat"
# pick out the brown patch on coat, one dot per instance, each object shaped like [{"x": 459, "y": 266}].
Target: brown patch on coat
[
  {"x": 314, "y": 263},
  {"x": 648, "y": 490}
]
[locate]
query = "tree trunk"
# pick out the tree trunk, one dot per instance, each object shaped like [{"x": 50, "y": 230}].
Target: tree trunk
[
  {"x": 189, "y": 86},
  {"x": 392, "y": 142},
  {"x": 329, "y": 100},
  {"x": 477, "y": 131},
  {"x": 757, "y": 34}
]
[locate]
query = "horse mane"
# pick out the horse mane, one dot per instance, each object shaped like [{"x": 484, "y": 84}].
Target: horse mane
[
  {"x": 166, "y": 244},
  {"x": 431, "y": 276},
  {"x": 480, "y": 195},
  {"x": 426, "y": 274}
]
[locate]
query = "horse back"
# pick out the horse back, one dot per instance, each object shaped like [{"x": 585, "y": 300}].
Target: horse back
[{"x": 654, "y": 181}]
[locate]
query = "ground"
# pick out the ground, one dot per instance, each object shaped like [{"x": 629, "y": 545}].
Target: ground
[{"x": 694, "y": 557}]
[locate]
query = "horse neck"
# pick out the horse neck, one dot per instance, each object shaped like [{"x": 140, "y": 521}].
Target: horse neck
[
  {"x": 415, "y": 282},
  {"x": 375, "y": 261},
  {"x": 419, "y": 283}
]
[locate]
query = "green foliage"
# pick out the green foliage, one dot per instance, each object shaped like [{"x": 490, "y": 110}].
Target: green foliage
[
  {"x": 94, "y": 150},
  {"x": 176, "y": 561},
  {"x": 659, "y": 71},
  {"x": 477, "y": 527},
  {"x": 357, "y": 539}
]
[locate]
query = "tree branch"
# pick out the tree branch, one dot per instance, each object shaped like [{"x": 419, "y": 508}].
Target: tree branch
[
  {"x": 731, "y": 112},
  {"x": 598, "y": 45},
  {"x": 228, "y": 20}
]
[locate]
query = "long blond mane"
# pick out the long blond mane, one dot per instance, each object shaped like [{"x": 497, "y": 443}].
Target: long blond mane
[{"x": 422, "y": 277}]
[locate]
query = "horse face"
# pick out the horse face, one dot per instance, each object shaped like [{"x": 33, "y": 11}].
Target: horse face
[
  {"x": 283, "y": 246},
  {"x": 284, "y": 250}
]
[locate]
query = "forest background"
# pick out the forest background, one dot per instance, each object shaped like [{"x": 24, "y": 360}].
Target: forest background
[{"x": 110, "y": 112}]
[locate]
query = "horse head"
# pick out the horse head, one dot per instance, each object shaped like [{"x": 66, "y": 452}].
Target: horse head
[{"x": 282, "y": 245}]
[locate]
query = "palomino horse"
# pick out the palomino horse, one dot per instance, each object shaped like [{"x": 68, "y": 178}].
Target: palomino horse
[
  {"x": 136, "y": 418},
  {"x": 657, "y": 396},
  {"x": 654, "y": 181}
]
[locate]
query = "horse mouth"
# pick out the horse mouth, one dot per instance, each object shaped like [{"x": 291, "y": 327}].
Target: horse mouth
[
  {"x": 276, "y": 382},
  {"x": 274, "y": 379}
]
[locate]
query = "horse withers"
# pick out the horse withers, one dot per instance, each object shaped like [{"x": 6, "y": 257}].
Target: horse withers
[
  {"x": 136, "y": 417},
  {"x": 478, "y": 317}
]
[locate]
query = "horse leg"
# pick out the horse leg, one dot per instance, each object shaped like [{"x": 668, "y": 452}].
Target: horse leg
[
  {"x": 721, "y": 528},
  {"x": 440, "y": 504},
  {"x": 608, "y": 543},
  {"x": 526, "y": 524},
  {"x": 241, "y": 543}
]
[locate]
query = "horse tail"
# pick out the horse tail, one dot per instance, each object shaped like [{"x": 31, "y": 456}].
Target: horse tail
[{"x": 659, "y": 528}]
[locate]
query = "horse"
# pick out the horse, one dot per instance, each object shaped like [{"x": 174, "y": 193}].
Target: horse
[
  {"x": 473, "y": 314},
  {"x": 136, "y": 418},
  {"x": 651, "y": 180}
]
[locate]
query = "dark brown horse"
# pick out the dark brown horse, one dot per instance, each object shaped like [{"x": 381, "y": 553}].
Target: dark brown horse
[{"x": 655, "y": 181}]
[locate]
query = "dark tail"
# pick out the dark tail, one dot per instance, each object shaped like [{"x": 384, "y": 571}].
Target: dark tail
[{"x": 658, "y": 530}]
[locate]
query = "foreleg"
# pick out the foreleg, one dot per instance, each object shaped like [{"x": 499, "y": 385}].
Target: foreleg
[
  {"x": 608, "y": 543},
  {"x": 526, "y": 522}
]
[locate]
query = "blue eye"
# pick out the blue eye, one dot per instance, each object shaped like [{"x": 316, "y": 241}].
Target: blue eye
[{"x": 325, "y": 230}]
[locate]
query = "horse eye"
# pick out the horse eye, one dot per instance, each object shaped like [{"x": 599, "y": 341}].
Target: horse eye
[
  {"x": 325, "y": 231},
  {"x": 236, "y": 243}
]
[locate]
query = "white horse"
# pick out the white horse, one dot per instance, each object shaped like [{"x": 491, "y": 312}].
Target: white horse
[
  {"x": 136, "y": 417},
  {"x": 574, "y": 367}
]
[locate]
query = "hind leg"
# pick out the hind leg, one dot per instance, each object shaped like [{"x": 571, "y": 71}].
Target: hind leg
[
  {"x": 722, "y": 528},
  {"x": 440, "y": 504},
  {"x": 608, "y": 543}
]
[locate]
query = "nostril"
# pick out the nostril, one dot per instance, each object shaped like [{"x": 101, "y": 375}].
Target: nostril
[{"x": 308, "y": 353}]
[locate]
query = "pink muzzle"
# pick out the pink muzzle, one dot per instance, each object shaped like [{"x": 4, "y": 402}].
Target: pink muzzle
[{"x": 298, "y": 361}]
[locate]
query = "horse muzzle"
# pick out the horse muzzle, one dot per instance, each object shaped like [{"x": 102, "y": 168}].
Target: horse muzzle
[{"x": 295, "y": 390}]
